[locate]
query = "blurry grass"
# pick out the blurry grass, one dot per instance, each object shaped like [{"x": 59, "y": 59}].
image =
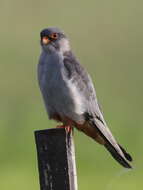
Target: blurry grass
[{"x": 107, "y": 38}]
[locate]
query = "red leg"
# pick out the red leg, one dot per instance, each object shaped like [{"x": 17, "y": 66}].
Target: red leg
[{"x": 66, "y": 127}]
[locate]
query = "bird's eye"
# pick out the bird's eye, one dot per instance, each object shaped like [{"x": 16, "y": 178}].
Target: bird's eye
[{"x": 54, "y": 36}]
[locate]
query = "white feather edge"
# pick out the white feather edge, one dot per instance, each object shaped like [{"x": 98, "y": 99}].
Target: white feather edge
[{"x": 78, "y": 101}]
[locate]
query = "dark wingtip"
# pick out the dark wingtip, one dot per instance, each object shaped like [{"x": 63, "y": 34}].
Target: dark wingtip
[
  {"x": 117, "y": 156},
  {"x": 127, "y": 155}
]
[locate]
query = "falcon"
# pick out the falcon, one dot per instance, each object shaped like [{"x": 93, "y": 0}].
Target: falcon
[{"x": 69, "y": 93}]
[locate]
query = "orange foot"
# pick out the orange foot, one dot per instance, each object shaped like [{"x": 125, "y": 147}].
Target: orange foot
[{"x": 66, "y": 127}]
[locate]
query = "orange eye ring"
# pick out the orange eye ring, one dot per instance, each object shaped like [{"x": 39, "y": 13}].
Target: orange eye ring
[{"x": 54, "y": 36}]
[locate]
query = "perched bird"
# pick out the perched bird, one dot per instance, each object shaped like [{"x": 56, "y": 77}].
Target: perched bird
[{"x": 69, "y": 94}]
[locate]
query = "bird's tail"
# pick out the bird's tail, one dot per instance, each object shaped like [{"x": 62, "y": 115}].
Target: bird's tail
[
  {"x": 118, "y": 153},
  {"x": 118, "y": 156},
  {"x": 126, "y": 154}
]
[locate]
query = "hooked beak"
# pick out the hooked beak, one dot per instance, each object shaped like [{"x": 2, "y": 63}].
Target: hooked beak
[{"x": 45, "y": 40}]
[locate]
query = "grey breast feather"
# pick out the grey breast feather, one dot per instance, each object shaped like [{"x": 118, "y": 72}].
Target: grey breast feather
[{"x": 57, "y": 89}]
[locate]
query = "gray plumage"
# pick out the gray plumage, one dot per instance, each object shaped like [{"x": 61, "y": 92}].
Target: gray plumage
[{"x": 69, "y": 94}]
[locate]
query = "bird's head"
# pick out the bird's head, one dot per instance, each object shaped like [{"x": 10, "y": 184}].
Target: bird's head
[{"x": 53, "y": 40}]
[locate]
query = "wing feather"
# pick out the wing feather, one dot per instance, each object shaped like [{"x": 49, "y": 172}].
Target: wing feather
[{"x": 81, "y": 79}]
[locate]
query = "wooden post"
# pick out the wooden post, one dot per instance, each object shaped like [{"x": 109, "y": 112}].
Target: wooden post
[{"x": 56, "y": 159}]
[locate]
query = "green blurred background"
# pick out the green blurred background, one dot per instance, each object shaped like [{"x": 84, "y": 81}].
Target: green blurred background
[{"x": 107, "y": 37}]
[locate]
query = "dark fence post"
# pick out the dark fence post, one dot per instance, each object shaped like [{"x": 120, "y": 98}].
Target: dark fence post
[{"x": 56, "y": 159}]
